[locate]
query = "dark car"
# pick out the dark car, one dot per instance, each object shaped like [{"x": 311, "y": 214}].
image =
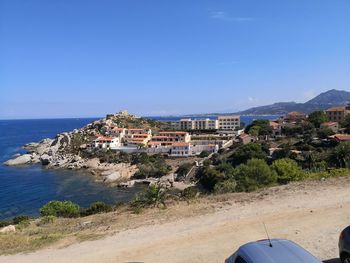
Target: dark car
[
  {"x": 274, "y": 251},
  {"x": 344, "y": 245}
]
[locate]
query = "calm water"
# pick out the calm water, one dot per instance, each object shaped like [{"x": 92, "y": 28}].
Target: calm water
[{"x": 23, "y": 190}]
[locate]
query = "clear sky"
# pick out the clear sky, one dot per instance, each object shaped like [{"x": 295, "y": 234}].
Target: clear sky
[{"x": 71, "y": 58}]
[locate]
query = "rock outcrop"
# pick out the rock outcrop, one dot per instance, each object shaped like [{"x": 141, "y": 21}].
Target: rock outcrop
[
  {"x": 8, "y": 229},
  {"x": 20, "y": 160}
]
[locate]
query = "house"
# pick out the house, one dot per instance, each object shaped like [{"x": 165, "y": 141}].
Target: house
[
  {"x": 245, "y": 138},
  {"x": 176, "y": 135},
  {"x": 340, "y": 137},
  {"x": 138, "y": 139},
  {"x": 276, "y": 128},
  {"x": 102, "y": 142},
  {"x": 337, "y": 114},
  {"x": 295, "y": 116},
  {"x": 180, "y": 149},
  {"x": 334, "y": 126},
  {"x": 230, "y": 122}
]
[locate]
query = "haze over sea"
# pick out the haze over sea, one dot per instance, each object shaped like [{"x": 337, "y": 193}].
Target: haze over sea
[{"x": 24, "y": 189}]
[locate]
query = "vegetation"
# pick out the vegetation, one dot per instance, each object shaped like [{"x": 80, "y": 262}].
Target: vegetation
[
  {"x": 259, "y": 128},
  {"x": 317, "y": 118},
  {"x": 60, "y": 209},
  {"x": 96, "y": 208},
  {"x": 287, "y": 170},
  {"x": 154, "y": 196},
  {"x": 247, "y": 152},
  {"x": 183, "y": 170},
  {"x": 150, "y": 165}
]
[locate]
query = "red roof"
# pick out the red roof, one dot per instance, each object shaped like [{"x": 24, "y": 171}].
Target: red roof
[
  {"x": 337, "y": 108},
  {"x": 181, "y": 144},
  {"x": 173, "y": 132},
  {"x": 103, "y": 139},
  {"x": 341, "y": 137}
]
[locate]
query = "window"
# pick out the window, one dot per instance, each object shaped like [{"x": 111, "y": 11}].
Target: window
[{"x": 240, "y": 260}]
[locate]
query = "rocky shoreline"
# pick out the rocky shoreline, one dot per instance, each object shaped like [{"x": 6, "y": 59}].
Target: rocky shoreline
[{"x": 55, "y": 154}]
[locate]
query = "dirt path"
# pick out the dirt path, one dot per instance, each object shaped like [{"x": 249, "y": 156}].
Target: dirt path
[{"x": 311, "y": 214}]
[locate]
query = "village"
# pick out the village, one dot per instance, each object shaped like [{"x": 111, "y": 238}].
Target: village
[{"x": 190, "y": 137}]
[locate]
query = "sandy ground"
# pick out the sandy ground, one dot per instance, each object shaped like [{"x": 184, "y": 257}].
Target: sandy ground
[{"x": 311, "y": 214}]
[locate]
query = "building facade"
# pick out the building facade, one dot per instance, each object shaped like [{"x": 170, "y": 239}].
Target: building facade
[
  {"x": 229, "y": 123},
  {"x": 337, "y": 114}
]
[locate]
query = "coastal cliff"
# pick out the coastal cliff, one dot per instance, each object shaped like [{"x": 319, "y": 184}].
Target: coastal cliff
[{"x": 68, "y": 150}]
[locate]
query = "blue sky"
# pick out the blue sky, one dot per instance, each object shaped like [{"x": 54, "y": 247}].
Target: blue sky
[{"x": 88, "y": 58}]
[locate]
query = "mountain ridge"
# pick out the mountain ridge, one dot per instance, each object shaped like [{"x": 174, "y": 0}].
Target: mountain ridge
[{"x": 322, "y": 101}]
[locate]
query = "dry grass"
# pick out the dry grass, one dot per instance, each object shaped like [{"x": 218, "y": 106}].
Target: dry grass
[{"x": 63, "y": 232}]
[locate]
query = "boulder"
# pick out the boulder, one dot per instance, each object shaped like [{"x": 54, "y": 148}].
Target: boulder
[
  {"x": 23, "y": 159},
  {"x": 45, "y": 159},
  {"x": 8, "y": 229},
  {"x": 112, "y": 177}
]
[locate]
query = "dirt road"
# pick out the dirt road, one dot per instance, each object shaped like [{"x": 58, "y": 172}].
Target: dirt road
[{"x": 312, "y": 214}]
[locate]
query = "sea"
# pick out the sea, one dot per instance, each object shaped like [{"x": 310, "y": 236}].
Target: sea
[{"x": 24, "y": 189}]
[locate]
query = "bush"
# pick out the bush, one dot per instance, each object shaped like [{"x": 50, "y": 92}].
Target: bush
[
  {"x": 190, "y": 193},
  {"x": 256, "y": 173},
  {"x": 96, "y": 208},
  {"x": 183, "y": 169},
  {"x": 60, "y": 209},
  {"x": 247, "y": 152},
  {"x": 227, "y": 186},
  {"x": 153, "y": 196},
  {"x": 209, "y": 177},
  {"x": 19, "y": 219},
  {"x": 287, "y": 170},
  {"x": 4, "y": 223},
  {"x": 204, "y": 154}
]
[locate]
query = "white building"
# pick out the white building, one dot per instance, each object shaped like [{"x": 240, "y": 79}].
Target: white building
[
  {"x": 181, "y": 149},
  {"x": 230, "y": 122},
  {"x": 102, "y": 142},
  {"x": 198, "y": 124}
]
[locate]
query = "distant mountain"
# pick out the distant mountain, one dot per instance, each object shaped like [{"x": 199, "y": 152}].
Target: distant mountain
[{"x": 323, "y": 101}]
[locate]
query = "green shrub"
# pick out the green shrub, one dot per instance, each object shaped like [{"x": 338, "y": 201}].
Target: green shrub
[
  {"x": 256, "y": 173},
  {"x": 204, "y": 154},
  {"x": 209, "y": 177},
  {"x": 246, "y": 152},
  {"x": 227, "y": 186},
  {"x": 60, "y": 209},
  {"x": 19, "y": 219},
  {"x": 190, "y": 193},
  {"x": 154, "y": 196},
  {"x": 287, "y": 170},
  {"x": 4, "y": 223},
  {"x": 96, "y": 208}
]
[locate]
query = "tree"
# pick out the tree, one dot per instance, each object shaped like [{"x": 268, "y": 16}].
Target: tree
[
  {"x": 256, "y": 173},
  {"x": 287, "y": 170},
  {"x": 317, "y": 118},
  {"x": 346, "y": 124},
  {"x": 324, "y": 133},
  {"x": 340, "y": 155},
  {"x": 227, "y": 186},
  {"x": 247, "y": 152},
  {"x": 259, "y": 127},
  {"x": 209, "y": 177},
  {"x": 183, "y": 169}
]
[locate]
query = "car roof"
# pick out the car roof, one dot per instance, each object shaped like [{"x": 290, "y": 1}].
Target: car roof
[{"x": 282, "y": 250}]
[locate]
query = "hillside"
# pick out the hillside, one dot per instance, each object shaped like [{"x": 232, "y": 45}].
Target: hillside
[{"x": 321, "y": 102}]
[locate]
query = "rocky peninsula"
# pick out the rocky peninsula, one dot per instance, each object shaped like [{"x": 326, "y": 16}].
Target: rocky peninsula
[{"x": 70, "y": 150}]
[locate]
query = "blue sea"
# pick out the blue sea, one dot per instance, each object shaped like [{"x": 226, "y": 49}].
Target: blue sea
[{"x": 24, "y": 189}]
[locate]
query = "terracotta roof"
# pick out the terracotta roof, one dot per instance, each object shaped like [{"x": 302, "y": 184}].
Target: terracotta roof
[
  {"x": 341, "y": 137},
  {"x": 337, "y": 108},
  {"x": 154, "y": 143},
  {"x": 118, "y": 129},
  {"x": 136, "y": 129},
  {"x": 173, "y": 132},
  {"x": 103, "y": 139},
  {"x": 243, "y": 135},
  {"x": 330, "y": 123},
  {"x": 181, "y": 144},
  {"x": 295, "y": 113},
  {"x": 136, "y": 139},
  {"x": 160, "y": 137},
  {"x": 273, "y": 123}
]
